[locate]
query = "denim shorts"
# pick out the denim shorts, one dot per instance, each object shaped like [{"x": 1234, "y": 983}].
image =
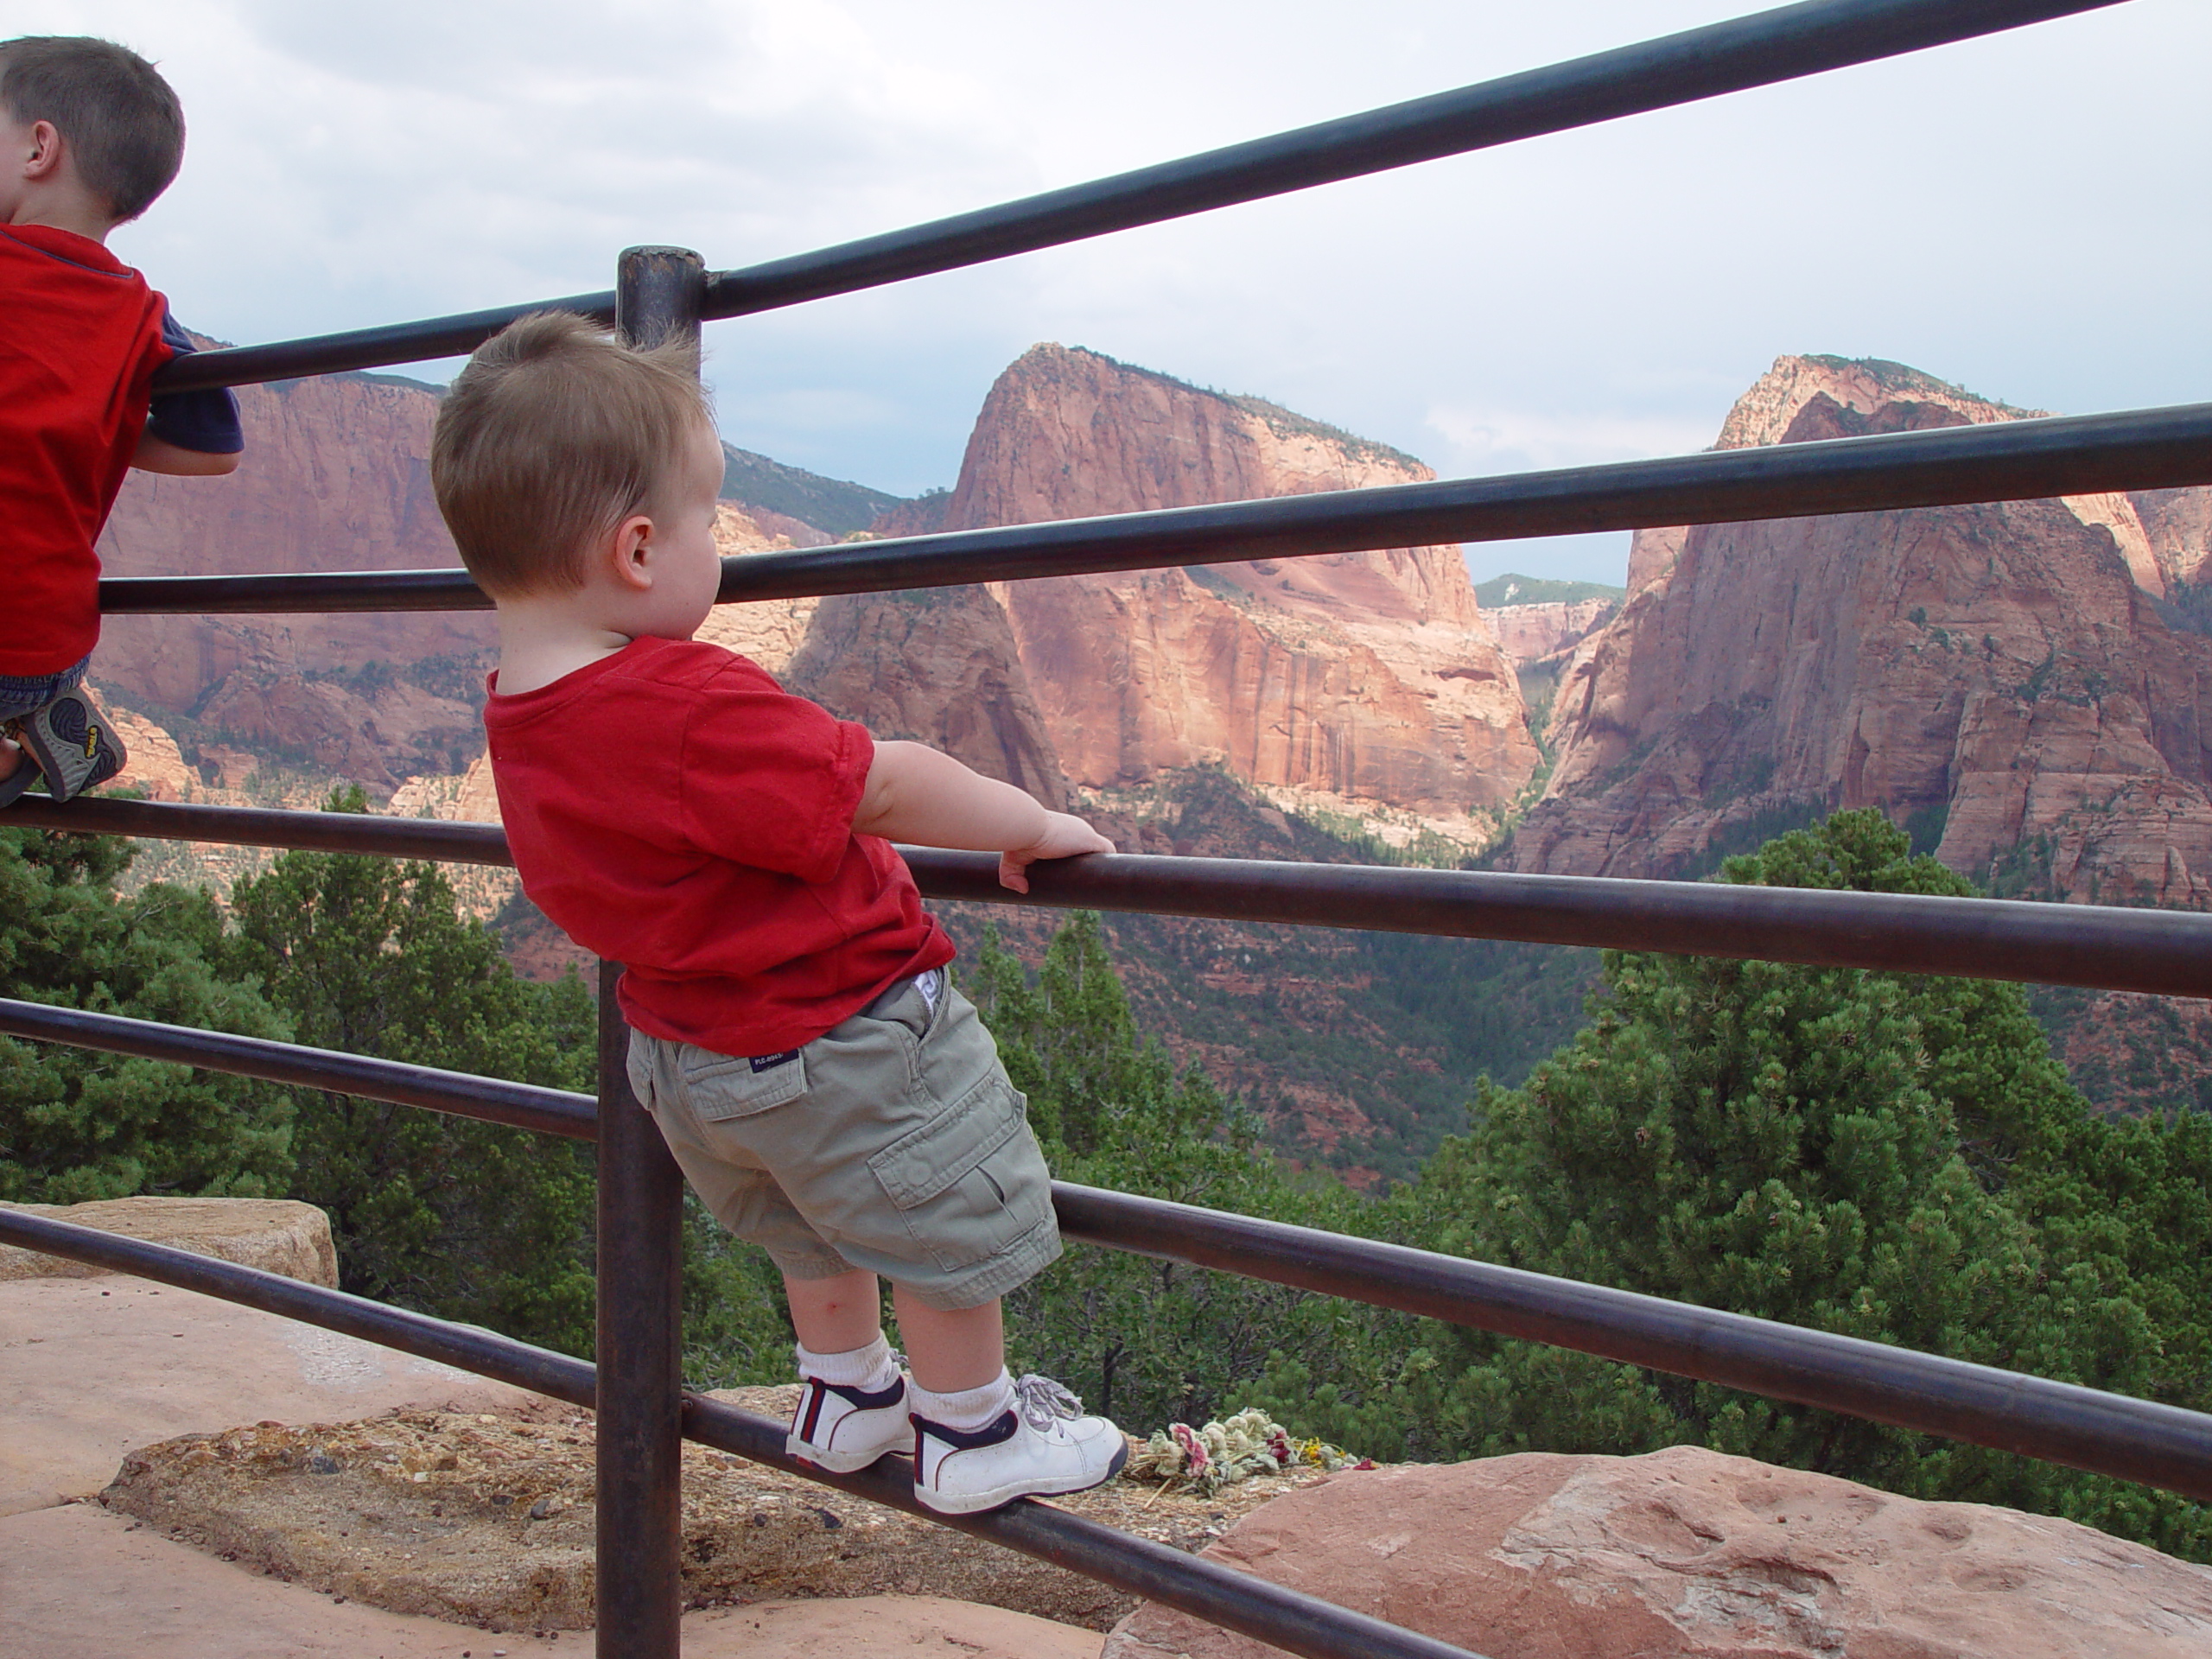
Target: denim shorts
[
  {"x": 21, "y": 695},
  {"x": 894, "y": 1142}
]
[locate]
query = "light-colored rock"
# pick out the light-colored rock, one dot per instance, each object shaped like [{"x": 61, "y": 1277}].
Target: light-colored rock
[
  {"x": 2011, "y": 666},
  {"x": 1688, "y": 1551},
  {"x": 1529, "y": 633},
  {"x": 487, "y": 1519},
  {"x": 80, "y": 1583},
  {"x": 767, "y": 630},
  {"x": 155, "y": 765},
  {"x": 1368, "y": 674},
  {"x": 471, "y": 797},
  {"x": 275, "y": 1235},
  {"x": 2179, "y": 525},
  {"x": 90, "y": 1367}
]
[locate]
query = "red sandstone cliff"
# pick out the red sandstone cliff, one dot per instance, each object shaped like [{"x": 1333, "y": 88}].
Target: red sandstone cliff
[
  {"x": 1371, "y": 676},
  {"x": 938, "y": 666},
  {"x": 2018, "y": 669},
  {"x": 1369, "y": 680},
  {"x": 335, "y": 476}
]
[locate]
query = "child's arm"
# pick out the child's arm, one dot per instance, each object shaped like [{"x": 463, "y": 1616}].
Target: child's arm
[
  {"x": 156, "y": 454},
  {"x": 915, "y": 794}
]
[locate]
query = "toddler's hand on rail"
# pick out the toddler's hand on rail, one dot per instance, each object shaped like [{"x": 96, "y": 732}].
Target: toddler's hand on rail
[{"x": 1066, "y": 836}]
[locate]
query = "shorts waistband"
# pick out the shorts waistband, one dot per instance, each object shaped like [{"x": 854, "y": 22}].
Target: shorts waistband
[{"x": 930, "y": 982}]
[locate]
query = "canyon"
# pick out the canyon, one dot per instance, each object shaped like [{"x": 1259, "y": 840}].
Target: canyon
[
  {"x": 1372, "y": 681},
  {"x": 336, "y": 477},
  {"x": 2022, "y": 684},
  {"x": 2025, "y": 682},
  {"x": 1185, "y": 710},
  {"x": 1370, "y": 685}
]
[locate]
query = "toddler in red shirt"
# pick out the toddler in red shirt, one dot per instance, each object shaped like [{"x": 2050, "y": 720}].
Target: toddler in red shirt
[
  {"x": 828, "y": 1093},
  {"x": 90, "y": 135}
]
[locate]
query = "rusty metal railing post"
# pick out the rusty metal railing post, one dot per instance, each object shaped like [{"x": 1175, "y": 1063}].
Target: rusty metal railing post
[
  {"x": 640, "y": 1543},
  {"x": 640, "y": 1332}
]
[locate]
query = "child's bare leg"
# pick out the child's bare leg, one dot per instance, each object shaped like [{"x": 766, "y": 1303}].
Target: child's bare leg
[
  {"x": 11, "y": 756},
  {"x": 837, "y": 1314},
  {"x": 852, "y": 1408},
  {"x": 981, "y": 1439},
  {"x": 950, "y": 1352}
]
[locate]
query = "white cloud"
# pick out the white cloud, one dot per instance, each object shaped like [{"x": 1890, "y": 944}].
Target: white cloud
[
  {"x": 1491, "y": 440},
  {"x": 2017, "y": 213}
]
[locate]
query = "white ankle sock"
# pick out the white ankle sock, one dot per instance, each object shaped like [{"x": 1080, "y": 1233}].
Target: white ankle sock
[
  {"x": 871, "y": 1367},
  {"x": 970, "y": 1409}
]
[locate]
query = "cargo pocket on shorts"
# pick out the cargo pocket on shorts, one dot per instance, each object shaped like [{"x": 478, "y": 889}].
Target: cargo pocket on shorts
[
  {"x": 719, "y": 1087},
  {"x": 967, "y": 1181}
]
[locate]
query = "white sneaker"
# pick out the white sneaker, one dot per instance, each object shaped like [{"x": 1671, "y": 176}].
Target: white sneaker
[
  {"x": 1041, "y": 1445},
  {"x": 841, "y": 1429}
]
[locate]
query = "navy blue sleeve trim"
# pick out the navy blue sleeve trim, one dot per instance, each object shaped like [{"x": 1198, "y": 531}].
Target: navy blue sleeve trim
[{"x": 206, "y": 421}]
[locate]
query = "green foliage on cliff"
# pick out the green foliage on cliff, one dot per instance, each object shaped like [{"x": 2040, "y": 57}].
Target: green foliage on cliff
[
  {"x": 831, "y": 505},
  {"x": 1512, "y": 588},
  {"x": 77, "y": 1124},
  {"x": 1398, "y": 1026}
]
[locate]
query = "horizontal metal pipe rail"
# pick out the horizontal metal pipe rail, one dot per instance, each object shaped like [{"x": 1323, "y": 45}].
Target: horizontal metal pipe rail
[
  {"x": 260, "y": 826},
  {"x": 2105, "y": 947},
  {"x": 2085, "y": 1428},
  {"x": 463, "y": 1094},
  {"x": 1237, "y": 1601},
  {"x": 2145, "y": 449},
  {"x": 1784, "y": 44},
  {"x": 2078, "y": 455}
]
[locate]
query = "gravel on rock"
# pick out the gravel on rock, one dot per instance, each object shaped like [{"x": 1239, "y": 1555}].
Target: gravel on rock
[{"x": 487, "y": 1519}]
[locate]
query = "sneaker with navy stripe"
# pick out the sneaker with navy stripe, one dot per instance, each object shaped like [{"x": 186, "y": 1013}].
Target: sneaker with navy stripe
[
  {"x": 1040, "y": 1446},
  {"x": 843, "y": 1429}
]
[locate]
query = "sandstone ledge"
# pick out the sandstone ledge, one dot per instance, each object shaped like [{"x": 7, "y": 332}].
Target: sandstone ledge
[
  {"x": 79, "y": 1583},
  {"x": 275, "y": 1235},
  {"x": 93, "y": 1367},
  {"x": 1689, "y": 1552},
  {"x": 485, "y": 1518}
]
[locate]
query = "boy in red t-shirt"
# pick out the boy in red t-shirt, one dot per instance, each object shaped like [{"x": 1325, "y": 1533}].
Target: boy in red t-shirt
[
  {"x": 828, "y": 1092},
  {"x": 90, "y": 135}
]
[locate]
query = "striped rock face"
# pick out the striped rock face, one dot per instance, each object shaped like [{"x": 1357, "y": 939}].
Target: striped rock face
[
  {"x": 2023, "y": 673},
  {"x": 1371, "y": 677}
]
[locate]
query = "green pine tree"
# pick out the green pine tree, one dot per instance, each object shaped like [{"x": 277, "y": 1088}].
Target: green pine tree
[
  {"x": 469, "y": 1220},
  {"x": 1145, "y": 1341},
  {"x": 76, "y": 1123},
  {"x": 1892, "y": 1157}
]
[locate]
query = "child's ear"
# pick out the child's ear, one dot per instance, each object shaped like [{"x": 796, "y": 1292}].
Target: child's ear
[
  {"x": 46, "y": 148},
  {"x": 629, "y": 550}
]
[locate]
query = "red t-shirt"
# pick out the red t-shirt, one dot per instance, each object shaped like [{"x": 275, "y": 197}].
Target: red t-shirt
[
  {"x": 672, "y": 807},
  {"x": 80, "y": 337}
]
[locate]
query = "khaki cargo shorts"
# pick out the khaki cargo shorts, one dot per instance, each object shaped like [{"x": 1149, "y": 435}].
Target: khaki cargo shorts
[{"x": 893, "y": 1142}]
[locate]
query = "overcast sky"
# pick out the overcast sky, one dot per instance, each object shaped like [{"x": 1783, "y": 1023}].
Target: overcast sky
[{"x": 2028, "y": 215}]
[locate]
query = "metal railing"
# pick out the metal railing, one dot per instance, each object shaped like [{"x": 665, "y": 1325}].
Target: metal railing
[{"x": 636, "y": 1384}]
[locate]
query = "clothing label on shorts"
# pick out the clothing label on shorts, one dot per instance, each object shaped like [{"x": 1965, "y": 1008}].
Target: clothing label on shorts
[{"x": 769, "y": 1062}]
